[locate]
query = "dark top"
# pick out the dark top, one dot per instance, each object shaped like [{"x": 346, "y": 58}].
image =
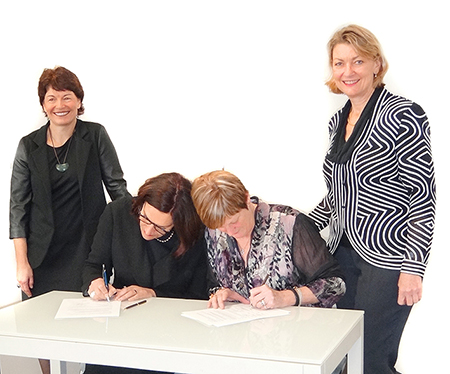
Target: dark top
[
  {"x": 120, "y": 246},
  {"x": 58, "y": 212}
]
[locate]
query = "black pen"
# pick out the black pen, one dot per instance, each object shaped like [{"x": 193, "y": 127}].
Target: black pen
[{"x": 135, "y": 304}]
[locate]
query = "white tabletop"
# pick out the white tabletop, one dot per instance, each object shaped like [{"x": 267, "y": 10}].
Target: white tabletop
[{"x": 155, "y": 335}]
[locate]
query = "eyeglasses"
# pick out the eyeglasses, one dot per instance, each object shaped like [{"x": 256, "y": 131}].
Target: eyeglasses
[{"x": 159, "y": 229}]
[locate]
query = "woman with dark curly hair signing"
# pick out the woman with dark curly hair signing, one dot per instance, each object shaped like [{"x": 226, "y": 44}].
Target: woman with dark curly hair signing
[{"x": 154, "y": 245}]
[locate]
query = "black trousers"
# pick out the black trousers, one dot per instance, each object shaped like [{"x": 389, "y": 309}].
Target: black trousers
[{"x": 374, "y": 290}]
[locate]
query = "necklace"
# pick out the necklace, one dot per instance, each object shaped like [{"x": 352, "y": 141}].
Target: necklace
[
  {"x": 167, "y": 239},
  {"x": 242, "y": 250},
  {"x": 61, "y": 167}
]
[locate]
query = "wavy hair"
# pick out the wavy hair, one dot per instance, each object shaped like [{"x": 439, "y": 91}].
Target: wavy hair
[
  {"x": 171, "y": 193},
  {"x": 365, "y": 43}
]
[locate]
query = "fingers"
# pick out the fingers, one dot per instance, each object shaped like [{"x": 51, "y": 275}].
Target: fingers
[
  {"x": 25, "y": 280},
  {"x": 262, "y": 297},
  {"x": 218, "y": 299},
  {"x": 225, "y": 294},
  {"x": 133, "y": 293},
  {"x": 409, "y": 289},
  {"x": 98, "y": 291},
  {"x": 26, "y": 288},
  {"x": 409, "y": 298}
]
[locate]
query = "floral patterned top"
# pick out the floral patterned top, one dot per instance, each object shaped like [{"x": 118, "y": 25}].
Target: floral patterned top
[{"x": 286, "y": 247}]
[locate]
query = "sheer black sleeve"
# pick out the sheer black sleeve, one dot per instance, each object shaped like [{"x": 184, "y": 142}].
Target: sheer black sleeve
[{"x": 318, "y": 269}]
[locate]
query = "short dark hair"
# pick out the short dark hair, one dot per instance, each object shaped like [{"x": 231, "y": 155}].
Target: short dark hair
[{"x": 60, "y": 79}]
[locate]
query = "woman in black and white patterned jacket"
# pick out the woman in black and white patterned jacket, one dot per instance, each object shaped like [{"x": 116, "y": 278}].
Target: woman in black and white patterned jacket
[{"x": 380, "y": 204}]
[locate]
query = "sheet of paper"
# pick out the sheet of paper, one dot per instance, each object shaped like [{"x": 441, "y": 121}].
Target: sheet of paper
[
  {"x": 87, "y": 308},
  {"x": 232, "y": 314}
]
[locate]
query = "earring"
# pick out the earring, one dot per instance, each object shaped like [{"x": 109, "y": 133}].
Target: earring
[{"x": 375, "y": 75}]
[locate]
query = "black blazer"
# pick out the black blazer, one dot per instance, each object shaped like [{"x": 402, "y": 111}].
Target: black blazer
[
  {"x": 31, "y": 215},
  {"x": 119, "y": 244}
]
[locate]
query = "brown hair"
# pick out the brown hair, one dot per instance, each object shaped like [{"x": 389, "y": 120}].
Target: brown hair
[
  {"x": 365, "y": 43},
  {"x": 218, "y": 195},
  {"x": 171, "y": 193},
  {"x": 60, "y": 79}
]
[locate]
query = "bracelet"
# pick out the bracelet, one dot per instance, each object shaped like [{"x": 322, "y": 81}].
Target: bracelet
[
  {"x": 213, "y": 291},
  {"x": 299, "y": 294},
  {"x": 297, "y": 298}
]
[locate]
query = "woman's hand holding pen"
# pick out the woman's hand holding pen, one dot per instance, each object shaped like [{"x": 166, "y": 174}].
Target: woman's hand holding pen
[
  {"x": 264, "y": 297},
  {"x": 217, "y": 300},
  {"x": 97, "y": 290}
]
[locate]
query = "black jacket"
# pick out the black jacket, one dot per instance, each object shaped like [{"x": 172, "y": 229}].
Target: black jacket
[
  {"x": 119, "y": 245},
  {"x": 31, "y": 215}
]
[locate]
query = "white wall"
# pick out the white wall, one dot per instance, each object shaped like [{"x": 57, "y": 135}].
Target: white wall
[{"x": 192, "y": 86}]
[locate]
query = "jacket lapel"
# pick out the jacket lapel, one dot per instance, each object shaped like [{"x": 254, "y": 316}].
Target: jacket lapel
[
  {"x": 39, "y": 162},
  {"x": 82, "y": 150}
]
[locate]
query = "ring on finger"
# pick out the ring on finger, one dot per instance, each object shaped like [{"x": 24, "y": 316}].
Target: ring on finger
[
  {"x": 92, "y": 294},
  {"x": 263, "y": 303}
]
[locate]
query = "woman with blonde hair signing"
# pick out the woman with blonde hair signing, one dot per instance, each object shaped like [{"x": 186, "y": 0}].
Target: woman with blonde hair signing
[
  {"x": 269, "y": 255},
  {"x": 380, "y": 204}
]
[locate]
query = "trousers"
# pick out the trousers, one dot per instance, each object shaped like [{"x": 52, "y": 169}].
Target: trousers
[{"x": 374, "y": 290}]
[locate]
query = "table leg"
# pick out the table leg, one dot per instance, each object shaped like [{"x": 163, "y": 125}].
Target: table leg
[
  {"x": 355, "y": 358},
  {"x": 58, "y": 367}
]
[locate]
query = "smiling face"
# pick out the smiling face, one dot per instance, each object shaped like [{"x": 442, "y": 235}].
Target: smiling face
[
  {"x": 354, "y": 73},
  {"x": 61, "y": 107}
]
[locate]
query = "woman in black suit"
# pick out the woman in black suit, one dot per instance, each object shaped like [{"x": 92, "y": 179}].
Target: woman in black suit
[
  {"x": 154, "y": 243},
  {"x": 57, "y": 193}
]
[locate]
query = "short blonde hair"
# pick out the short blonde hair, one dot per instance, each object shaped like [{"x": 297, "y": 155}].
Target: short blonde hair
[
  {"x": 218, "y": 195},
  {"x": 365, "y": 43}
]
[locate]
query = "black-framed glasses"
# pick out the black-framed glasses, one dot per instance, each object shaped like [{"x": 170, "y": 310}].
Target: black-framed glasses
[{"x": 147, "y": 222}]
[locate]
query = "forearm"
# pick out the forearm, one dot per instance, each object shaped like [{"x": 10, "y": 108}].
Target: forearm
[
  {"x": 24, "y": 272},
  {"x": 326, "y": 291},
  {"x": 21, "y": 250}
]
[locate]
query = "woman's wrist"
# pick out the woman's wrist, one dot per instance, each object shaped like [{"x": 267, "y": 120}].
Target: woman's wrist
[
  {"x": 297, "y": 295},
  {"x": 213, "y": 291}
]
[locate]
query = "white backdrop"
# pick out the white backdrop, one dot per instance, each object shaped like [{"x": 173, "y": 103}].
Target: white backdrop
[{"x": 192, "y": 86}]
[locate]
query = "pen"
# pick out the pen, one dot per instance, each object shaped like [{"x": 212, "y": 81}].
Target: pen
[
  {"x": 135, "y": 304},
  {"x": 105, "y": 279},
  {"x": 265, "y": 279}
]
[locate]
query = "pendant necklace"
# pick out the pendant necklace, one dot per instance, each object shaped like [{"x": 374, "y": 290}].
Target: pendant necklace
[{"x": 61, "y": 167}]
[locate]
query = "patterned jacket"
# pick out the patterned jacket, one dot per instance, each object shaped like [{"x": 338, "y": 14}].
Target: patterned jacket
[{"x": 384, "y": 195}]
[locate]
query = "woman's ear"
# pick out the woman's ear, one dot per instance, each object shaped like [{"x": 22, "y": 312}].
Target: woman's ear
[{"x": 248, "y": 200}]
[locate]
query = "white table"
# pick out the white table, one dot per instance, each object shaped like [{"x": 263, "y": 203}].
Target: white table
[{"x": 155, "y": 336}]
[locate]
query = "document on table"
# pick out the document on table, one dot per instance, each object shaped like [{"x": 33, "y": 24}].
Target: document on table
[
  {"x": 87, "y": 308},
  {"x": 232, "y": 314}
]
